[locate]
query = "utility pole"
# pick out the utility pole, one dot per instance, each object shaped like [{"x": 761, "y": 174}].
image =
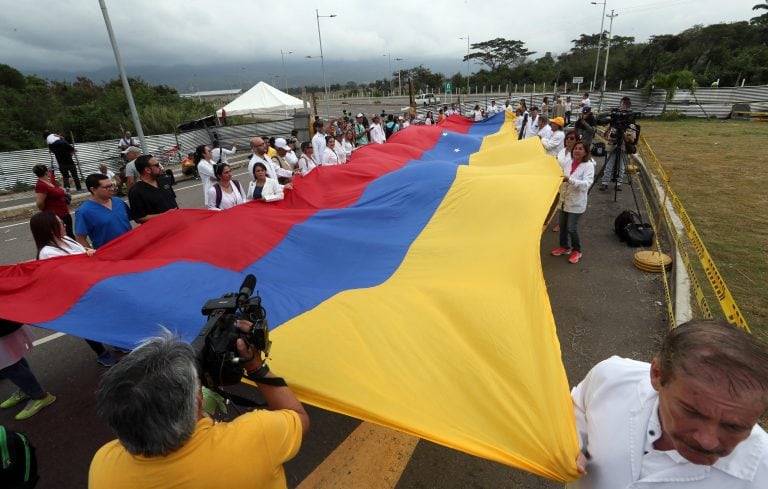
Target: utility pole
[
  {"x": 124, "y": 79},
  {"x": 607, "y": 53},
  {"x": 599, "y": 43}
]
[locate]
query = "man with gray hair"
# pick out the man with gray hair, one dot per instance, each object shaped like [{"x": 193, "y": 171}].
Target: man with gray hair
[
  {"x": 687, "y": 420},
  {"x": 131, "y": 174},
  {"x": 153, "y": 401}
]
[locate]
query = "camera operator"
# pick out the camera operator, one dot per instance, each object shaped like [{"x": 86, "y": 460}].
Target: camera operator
[
  {"x": 152, "y": 399},
  {"x": 610, "y": 134}
]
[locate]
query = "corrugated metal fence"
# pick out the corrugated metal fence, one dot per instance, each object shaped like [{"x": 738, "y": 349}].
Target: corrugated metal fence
[{"x": 16, "y": 166}]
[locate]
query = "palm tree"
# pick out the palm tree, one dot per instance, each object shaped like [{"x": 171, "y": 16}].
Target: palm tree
[{"x": 761, "y": 6}]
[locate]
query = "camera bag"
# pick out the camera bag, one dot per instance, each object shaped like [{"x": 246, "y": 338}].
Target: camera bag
[
  {"x": 598, "y": 149},
  {"x": 629, "y": 227}
]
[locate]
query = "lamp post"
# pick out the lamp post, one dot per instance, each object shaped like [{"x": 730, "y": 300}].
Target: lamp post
[
  {"x": 467, "y": 38},
  {"x": 124, "y": 78},
  {"x": 285, "y": 78},
  {"x": 322, "y": 59},
  {"x": 607, "y": 53},
  {"x": 399, "y": 78},
  {"x": 600, "y": 42},
  {"x": 389, "y": 58}
]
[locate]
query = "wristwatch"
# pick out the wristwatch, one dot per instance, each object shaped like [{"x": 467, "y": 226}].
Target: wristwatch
[{"x": 260, "y": 377}]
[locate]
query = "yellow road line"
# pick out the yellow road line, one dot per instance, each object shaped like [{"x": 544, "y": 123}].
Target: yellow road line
[{"x": 372, "y": 456}]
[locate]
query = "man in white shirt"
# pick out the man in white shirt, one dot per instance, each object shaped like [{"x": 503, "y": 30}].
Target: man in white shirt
[
  {"x": 376, "y": 131},
  {"x": 556, "y": 139},
  {"x": 533, "y": 123},
  {"x": 492, "y": 109},
  {"x": 221, "y": 155},
  {"x": 127, "y": 141},
  {"x": 318, "y": 140},
  {"x": 688, "y": 420},
  {"x": 259, "y": 148},
  {"x": 543, "y": 130}
]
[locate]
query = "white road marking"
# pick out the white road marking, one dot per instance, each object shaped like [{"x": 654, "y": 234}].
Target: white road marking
[
  {"x": 46, "y": 339},
  {"x": 12, "y": 225}
]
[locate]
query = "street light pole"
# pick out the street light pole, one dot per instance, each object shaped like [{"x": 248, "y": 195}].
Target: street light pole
[
  {"x": 607, "y": 53},
  {"x": 399, "y": 78},
  {"x": 285, "y": 78},
  {"x": 600, "y": 42},
  {"x": 467, "y": 38},
  {"x": 322, "y": 59},
  {"x": 389, "y": 58},
  {"x": 124, "y": 79}
]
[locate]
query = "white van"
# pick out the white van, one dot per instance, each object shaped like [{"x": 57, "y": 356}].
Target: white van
[{"x": 426, "y": 99}]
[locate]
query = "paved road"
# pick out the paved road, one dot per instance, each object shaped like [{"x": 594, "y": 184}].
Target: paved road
[{"x": 602, "y": 306}]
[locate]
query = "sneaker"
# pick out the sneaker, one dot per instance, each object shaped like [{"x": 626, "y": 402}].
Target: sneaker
[
  {"x": 556, "y": 229},
  {"x": 561, "y": 251},
  {"x": 602, "y": 187},
  {"x": 35, "y": 405},
  {"x": 575, "y": 257},
  {"x": 15, "y": 398},
  {"x": 106, "y": 359}
]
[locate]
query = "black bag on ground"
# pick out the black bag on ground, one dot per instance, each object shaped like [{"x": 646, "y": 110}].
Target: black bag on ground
[
  {"x": 598, "y": 149},
  {"x": 18, "y": 467},
  {"x": 629, "y": 227}
]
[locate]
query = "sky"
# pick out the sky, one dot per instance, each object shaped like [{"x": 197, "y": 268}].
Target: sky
[{"x": 71, "y": 35}]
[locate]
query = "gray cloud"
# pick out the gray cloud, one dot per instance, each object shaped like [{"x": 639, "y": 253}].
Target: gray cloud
[{"x": 44, "y": 34}]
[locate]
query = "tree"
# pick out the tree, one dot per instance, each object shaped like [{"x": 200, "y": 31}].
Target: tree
[
  {"x": 499, "y": 52},
  {"x": 422, "y": 77},
  {"x": 761, "y": 6},
  {"x": 671, "y": 82}
]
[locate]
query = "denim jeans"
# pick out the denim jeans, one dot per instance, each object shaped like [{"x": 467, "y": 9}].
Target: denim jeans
[
  {"x": 21, "y": 374},
  {"x": 610, "y": 161},
  {"x": 569, "y": 227}
]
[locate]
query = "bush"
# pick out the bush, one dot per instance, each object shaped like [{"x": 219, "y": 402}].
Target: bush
[{"x": 672, "y": 115}]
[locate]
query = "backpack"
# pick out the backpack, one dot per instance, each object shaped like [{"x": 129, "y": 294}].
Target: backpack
[
  {"x": 219, "y": 194},
  {"x": 18, "y": 467},
  {"x": 389, "y": 129},
  {"x": 629, "y": 227}
]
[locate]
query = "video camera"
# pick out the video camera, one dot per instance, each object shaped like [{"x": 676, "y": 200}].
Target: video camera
[
  {"x": 619, "y": 119},
  {"x": 216, "y": 344}
]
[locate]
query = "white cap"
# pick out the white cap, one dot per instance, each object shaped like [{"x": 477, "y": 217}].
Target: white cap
[{"x": 282, "y": 144}]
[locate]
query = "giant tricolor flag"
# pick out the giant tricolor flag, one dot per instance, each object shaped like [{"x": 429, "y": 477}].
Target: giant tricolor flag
[{"x": 403, "y": 288}]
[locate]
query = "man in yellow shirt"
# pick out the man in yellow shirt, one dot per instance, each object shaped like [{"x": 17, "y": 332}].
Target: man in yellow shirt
[{"x": 152, "y": 399}]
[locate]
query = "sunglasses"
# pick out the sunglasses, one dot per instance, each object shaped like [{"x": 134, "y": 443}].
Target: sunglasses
[{"x": 108, "y": 187}]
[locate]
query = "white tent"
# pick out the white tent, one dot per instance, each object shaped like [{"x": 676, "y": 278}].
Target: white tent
[{"x": 262, "y": 98}]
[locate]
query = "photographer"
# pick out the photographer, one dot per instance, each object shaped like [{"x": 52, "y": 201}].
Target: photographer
[
  {"x": 611, "y": 134},
  {"x": 153, "y": 401}
]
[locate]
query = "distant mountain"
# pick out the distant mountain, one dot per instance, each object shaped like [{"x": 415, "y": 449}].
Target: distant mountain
[{"x": 191, "y": 78}]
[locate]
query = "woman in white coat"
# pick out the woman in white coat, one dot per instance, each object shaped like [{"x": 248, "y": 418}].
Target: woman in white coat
[
  {"x": 263, "y": 188},
  {"x": 578, "y": 178}
]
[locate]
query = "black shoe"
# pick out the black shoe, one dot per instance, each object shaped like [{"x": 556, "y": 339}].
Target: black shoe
[
  {"x": 618, "y": 187},
  {"x": 603, "y": 187}
]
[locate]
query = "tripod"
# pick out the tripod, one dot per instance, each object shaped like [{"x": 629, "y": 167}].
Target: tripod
[{"x": 619, "y": 156}]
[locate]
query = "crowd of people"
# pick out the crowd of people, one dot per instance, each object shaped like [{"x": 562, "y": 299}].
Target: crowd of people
[{"x": 691, "y": 414}]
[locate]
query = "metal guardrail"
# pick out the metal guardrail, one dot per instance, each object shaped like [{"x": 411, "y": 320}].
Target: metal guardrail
[{"x": 16, "y": 166}]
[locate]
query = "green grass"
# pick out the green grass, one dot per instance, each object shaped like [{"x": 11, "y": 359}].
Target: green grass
[{"x": 719, "y": 170}]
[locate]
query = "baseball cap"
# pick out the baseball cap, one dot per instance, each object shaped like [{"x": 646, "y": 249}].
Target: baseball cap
[
  {"x": 359, "y": 114},
  {"x": 558, "y": 120},
  {"x": 282, "y": 144}
]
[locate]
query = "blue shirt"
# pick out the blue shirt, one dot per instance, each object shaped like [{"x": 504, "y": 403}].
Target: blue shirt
[{"x": 100, "y": 223}]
